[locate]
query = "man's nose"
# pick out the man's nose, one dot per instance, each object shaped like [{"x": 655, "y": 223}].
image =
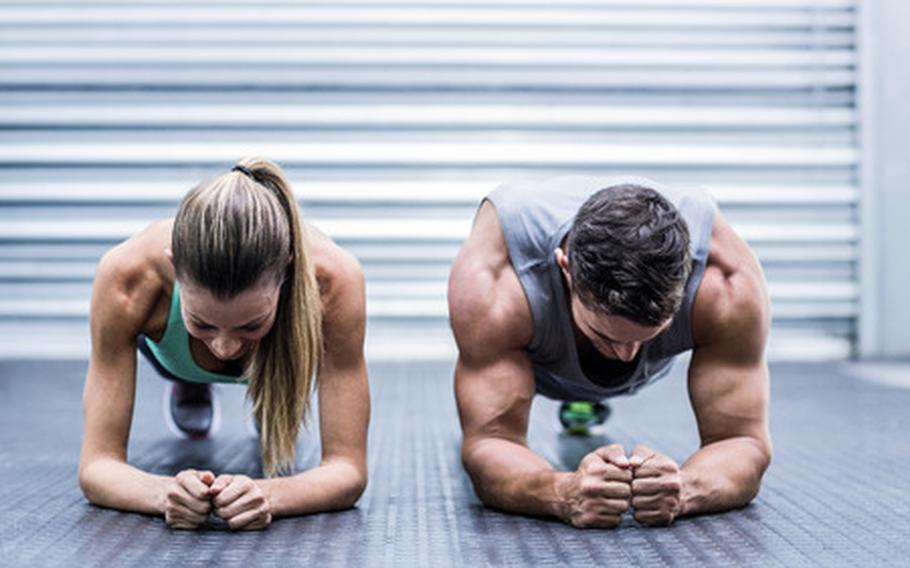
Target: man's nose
[{"x": 625, "y": 352}]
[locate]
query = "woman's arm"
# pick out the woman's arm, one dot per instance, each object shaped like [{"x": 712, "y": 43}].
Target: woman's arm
[
  {"x": 344, "y": 408},
  {"x": 124, "y": 293},
  {"x": 344, "y": 413}
]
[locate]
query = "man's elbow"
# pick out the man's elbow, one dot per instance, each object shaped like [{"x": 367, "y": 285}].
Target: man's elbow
[
  {"x": 764, "y": 451},
  {"x": 473, "y": 462},
  {"x": 762, "y": 462}
]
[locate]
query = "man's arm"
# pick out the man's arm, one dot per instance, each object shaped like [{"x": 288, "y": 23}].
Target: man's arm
[
  {"x": 728, "y": 379},
  {"x": 494, "y": 402},
  {"x": 494, "y": 387},
  {"x": 728, "y": 388}
]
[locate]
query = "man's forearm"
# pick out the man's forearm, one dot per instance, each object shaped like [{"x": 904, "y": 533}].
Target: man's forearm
[
  {"x": 334, "y": 485},
  {"x": 723, "y": 475},
  {"x": 509, "y": 476}
]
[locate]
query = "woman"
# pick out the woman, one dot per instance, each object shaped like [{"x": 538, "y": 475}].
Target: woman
[{"x": 234, "y": 289}]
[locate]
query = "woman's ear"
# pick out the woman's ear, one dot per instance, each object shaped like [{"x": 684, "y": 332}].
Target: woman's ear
[{"x": 170, "y": 255}]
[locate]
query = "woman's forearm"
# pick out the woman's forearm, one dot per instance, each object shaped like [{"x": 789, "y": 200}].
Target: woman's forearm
[
  {"x": 112, "y": 483},
  {"x": 335, "y": 484}
]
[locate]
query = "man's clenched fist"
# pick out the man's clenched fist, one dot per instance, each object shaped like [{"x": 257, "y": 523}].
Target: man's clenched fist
[{"x": 656, "y": 487}]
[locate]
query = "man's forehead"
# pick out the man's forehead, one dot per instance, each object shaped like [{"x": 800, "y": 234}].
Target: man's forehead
[{"x": 617, "y": 327}]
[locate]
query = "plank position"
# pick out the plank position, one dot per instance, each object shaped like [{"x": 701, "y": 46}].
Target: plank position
[
  {"x": 581, "y": 289},
  {"x": 235, "y": 289}
]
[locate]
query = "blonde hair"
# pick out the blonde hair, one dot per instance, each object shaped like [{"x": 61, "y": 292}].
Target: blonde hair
[{"x": 230, "y": 232}]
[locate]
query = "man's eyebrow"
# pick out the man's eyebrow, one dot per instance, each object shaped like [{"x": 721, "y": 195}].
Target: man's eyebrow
[{"x": 602, "y": 335}]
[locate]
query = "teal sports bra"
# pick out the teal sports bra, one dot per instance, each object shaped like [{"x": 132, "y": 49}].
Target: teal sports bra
[{"x": 173, "y": 350}]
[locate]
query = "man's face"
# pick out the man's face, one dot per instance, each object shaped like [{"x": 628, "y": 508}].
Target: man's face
[{"x": 614, "y": 337}]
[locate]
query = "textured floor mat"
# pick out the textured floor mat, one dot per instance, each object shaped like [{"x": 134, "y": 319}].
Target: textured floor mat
[{"x": 837, "y": 493}]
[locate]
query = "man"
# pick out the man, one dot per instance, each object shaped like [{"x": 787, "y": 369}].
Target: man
[{"x": 580, "y": 289}]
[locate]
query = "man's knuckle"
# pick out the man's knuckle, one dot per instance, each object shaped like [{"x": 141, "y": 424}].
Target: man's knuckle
[
  {"x": 616, "y": 507},
  {"x": 587, "y": 487}
]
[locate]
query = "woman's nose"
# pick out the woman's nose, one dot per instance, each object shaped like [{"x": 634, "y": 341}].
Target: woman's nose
[{"x": 226, "y": 348}]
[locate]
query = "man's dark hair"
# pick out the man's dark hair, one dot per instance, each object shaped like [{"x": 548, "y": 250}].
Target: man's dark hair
[{"x": 629, "y": 254}]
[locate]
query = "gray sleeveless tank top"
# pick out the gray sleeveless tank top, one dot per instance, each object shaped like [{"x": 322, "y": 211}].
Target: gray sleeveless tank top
[{"x": 535, "y": 217}]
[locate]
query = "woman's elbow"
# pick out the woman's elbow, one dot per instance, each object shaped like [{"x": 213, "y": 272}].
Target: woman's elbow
[
  {"x": 354, "y": 489},
  {"x": 88, "y": 484}
]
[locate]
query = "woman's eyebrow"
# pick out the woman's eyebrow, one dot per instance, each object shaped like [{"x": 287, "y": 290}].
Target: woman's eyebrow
[{"x": 253, "y": 322}]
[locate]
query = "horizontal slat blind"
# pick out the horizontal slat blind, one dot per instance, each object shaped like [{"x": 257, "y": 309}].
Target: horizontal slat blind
[{"x": 393, "y": 118}]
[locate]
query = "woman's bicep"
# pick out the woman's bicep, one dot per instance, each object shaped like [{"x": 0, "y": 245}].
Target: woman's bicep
[
  {"x": 110, "y": 383},
  {"x": 107, "y": 402},
  {"x": 344, "y": 393}
]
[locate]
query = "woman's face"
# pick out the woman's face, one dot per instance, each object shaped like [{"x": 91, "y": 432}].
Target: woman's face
[{"x": 230, "y": 328}]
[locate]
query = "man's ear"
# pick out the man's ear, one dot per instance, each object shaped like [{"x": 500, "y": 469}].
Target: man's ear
[{"x": 563, "y": 261}]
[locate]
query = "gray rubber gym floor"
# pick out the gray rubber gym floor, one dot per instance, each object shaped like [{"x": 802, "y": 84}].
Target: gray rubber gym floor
[{"x": 837, "y": 493}]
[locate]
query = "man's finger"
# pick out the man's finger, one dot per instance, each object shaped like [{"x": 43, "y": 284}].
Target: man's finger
[
  {"x": 653, "y": 518},
  {"x": 658, "y": 465},
  {"x": 615, "y": 506},
  {"x": 182, "y": 525},
  {"x": 614, "y": 454},
  {"x": 640, "y": 454},
  {"x": 647, "y": 502},
  {"x": 647, "y": 485},
  {"x": 607, "y": 520},
  {"x": 617, "y": 490},
  {"x": 617, "y": 474},
  {"x": 206, "y": 477}
]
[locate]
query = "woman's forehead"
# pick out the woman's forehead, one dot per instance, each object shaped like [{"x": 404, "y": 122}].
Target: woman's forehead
[{"x": 256, "y": 302}]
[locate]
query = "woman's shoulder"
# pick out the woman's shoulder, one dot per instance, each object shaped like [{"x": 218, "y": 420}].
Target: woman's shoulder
[
  {"x": 132, "y": 276},
  {"x": 336, "y": 267},
  {"x": 339, "y": 274}
]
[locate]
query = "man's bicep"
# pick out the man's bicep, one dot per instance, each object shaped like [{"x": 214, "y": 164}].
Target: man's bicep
[
  {"x": 729, "y": 398},
  {"x": 494, "y": 397}
]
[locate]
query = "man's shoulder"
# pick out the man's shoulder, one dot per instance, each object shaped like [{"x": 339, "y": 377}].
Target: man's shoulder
[
  {"x": 488, "y": 309},
  {"x": 731, "y": 309}
]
